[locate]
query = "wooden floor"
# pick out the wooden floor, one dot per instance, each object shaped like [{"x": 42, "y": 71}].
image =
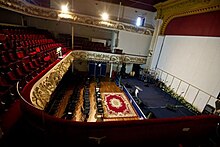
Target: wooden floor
[{"x": 107, "y": 86}]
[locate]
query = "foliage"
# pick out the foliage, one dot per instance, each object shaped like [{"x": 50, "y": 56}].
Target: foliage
[{"x": 178, "y": 97}]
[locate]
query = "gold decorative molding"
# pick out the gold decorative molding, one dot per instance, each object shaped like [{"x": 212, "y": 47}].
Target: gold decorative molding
[
  {"x": 43, "y": 88},
  {"x": 108, "y": 57},
  {"x": 51, "y": 14},
  {"x": 177, "y": 8}
]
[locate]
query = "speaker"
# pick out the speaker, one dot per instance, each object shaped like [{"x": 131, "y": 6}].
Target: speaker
[{"x": 208, "y": 109}]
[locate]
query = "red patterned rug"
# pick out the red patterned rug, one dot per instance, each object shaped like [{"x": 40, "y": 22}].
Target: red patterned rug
[{"x": 117, "y": 105}]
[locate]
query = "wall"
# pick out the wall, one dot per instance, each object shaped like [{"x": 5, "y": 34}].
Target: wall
[
  {"x": 66, "y": 28},
  {"x": 157, "y": 51},
  {"x": 15, "y": 18},
  {"x": 92, "y": 32},
  {"x": 194, "y": 60},
  {"x": 50, "y": 25},
  {"x": 133, "y": 43}
]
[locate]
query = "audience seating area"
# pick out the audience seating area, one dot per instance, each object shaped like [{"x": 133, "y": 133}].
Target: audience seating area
[
  {"x": 82, "y": 43},
  {"x": 25, "y": 52}
]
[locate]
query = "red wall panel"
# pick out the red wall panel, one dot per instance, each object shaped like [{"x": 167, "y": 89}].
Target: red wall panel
[{"x": 204, "y": 24}]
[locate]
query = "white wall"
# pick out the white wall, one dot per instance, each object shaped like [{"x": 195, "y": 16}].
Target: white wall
[
  {"x": 50, "y": 25},
  {"x": 195, "y": 60},
  {"x": 92, "y": 32},
  {"x": 156, "y": 53},
  {"x": 133, "y": 43},
  {"x": 15, "y": 18}
]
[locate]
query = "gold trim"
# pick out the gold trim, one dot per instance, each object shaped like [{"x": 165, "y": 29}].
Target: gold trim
[
  {"x": 43, "y": 88},
  {"x": 108, "y": 57},
  {"x": 177, "y": 8},
  {"x": 28, "y": 9}
]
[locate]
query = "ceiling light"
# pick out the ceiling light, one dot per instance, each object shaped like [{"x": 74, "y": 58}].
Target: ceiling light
[{"x": 64, "y": 8}]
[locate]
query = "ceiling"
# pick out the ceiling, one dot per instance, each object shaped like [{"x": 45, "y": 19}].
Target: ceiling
[{"x": 140, "y": 4}]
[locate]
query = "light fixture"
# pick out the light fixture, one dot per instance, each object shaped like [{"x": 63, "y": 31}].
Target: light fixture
[
  {"x": 105, "y": 16},
  {"x": 64, "y": 8},
  {"x": 138, "y": 21},
  {"x": 65, "y": 12}
]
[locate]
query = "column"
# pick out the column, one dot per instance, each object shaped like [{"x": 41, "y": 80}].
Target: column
[
  {"x": 153, "y": 42},
  {"x": 114, "y": 40},
  {"x": 110, "y": 75}
]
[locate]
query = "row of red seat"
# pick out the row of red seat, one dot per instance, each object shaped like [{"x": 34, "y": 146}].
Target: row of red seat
[
  {"x": 24, "y": 54},
  {"x": 84, "y": 44}
]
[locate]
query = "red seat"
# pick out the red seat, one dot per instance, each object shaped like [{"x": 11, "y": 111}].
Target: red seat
[
  {"x": 3, "y": 83},
  {"x": 4, "y": 59},
  {"x": 20, "y": 54},
  {"x": 2, "y": 37},
  {"x": 12, "y": 56}
]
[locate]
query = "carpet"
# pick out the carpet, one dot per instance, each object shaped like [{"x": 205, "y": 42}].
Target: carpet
[{"x": 117, "y": 105}]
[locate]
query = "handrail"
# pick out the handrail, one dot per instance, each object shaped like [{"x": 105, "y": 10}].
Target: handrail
[
  {"x": 188, "y": 85},
  {"x": 17, "y": 88}
]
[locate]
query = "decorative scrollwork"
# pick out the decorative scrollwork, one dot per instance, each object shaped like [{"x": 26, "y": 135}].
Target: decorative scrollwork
[
  {"x": 108, "y": 57},
  {"x": 43, "y": 88}
]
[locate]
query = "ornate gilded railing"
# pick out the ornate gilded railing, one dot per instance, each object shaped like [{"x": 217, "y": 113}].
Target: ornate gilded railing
[
  {"x": 108, "y": 57},
  {"x": 28, "y": 9},
  {"x": 44, "y": 87}
]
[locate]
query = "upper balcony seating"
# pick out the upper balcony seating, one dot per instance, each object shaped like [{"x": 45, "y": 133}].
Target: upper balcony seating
[
  {"x": 85, "y": 44},
  {"x": 24, "y": 52}
]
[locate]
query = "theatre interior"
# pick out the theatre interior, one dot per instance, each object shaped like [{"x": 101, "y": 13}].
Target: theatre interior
[{"x": 110, "y": 72}]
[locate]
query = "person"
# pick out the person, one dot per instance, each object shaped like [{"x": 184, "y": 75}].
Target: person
[
  {"x": 137, "y": 91},
  {"x": 123, "y": 69}
]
